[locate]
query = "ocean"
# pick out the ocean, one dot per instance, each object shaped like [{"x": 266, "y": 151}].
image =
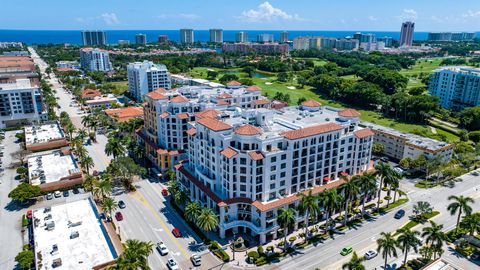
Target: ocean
[{"x": 73, "y": 36}]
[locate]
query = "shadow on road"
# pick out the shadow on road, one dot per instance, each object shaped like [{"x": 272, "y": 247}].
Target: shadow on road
[{"x": 16, "y": 206}]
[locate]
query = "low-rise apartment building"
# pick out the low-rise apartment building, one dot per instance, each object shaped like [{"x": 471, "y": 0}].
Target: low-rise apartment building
[
  {"x": 260, "y": 48},
  {"x": 101, "y": 102},
  {"x": 399, "y": 145},
  {"x": 246, "y": 164},
  {"x": 44, "y": 137},
  {"x": 125, "y": 114}
]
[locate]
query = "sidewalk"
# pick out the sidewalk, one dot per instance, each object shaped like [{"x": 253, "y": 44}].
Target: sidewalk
[{"x": 241, "y": 257}]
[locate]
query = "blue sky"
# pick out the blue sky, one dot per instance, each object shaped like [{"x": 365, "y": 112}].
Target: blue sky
[{"x": 375, "y": 15}]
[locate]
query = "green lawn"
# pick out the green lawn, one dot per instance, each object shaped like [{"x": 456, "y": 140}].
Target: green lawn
[
  {"x": 351, "y": 77},
  {"x": 120, "y": 87},
  {"x": 316, "y": 61},
  {"x": 425, "y": 66}
]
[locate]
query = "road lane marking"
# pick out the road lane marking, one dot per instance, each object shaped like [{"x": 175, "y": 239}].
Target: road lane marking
[{"x": 144, "y": 201}]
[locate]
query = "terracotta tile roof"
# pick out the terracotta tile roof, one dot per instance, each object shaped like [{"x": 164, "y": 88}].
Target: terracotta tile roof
[
  {"x": 311, "y": 131},
  {"x": 311, "y": 103},
  {"x": 162, "y": 152},
  {"x": 160, "y": 90},
  {"x": 164, "y": 115},
  {"x": 157, "y": 94},
  {"x": 228, "y": 152},
  {"x": 363, "y": 133},
  {"x": 175, "y": 152},
  {"x": 182, "y": 116},
  {"x": 224, "y": 95},
  {"x": 91, "y": 93},
  {"x": 256, "y": 155},
  {"x": 125, "y": 114},
  {"x": 221, "y": 102},
  {"x": 179, "y": 99},
  {"x": 233, "y": 83},
  {"x": 293, "y": 198},
  {"x": 64, "y": 69},
  {"x": 349, "y": 113},
  {"x": 214, "y": 124},
  {"x": 207, "y": 113},
  {"x": 261, "y": 102},
  {"x": 192, "y": 131},
  {"x": 253, "y": 88},
  {"x": 248, "y": 130}
]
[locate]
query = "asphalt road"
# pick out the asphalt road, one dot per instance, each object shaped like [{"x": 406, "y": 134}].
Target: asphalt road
[
  {"x": 326, "y": 255},
  {"x": 11, "y": 239}
]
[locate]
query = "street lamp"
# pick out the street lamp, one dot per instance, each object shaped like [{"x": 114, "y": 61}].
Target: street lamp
[{"x": 233, "y": 246}]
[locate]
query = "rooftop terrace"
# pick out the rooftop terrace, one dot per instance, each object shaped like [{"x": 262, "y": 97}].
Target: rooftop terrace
[{"x": 70, "y": 236}]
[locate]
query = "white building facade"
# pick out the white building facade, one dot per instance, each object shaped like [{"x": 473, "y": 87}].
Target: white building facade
[
  {"x": 250, "y": 164},
  {"x": 95, "y": 60},
  {"x": 144, "y": 77}
]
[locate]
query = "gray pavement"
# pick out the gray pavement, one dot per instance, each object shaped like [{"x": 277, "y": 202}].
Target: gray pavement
[{"x": 11, "y": 238}]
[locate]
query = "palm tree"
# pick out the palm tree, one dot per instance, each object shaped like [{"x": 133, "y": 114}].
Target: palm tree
[
  {"x": 383, "y": 170},
  {"x": 434, "y": 235},
  {"x": 407, "y": 240},
  {"x": 70, "y": 129},
  {"x": 355, "y": 263},
  {"x": 76, "y": 142},
  {"x": 87, "y": 163},
  {"x": 109, "y": 205},
  {"x": 102, "y": 189},
  {"x": 308, "y": 206},
  {"x": 114, "y": 147},
  {"x": 387, "y": 245},
  {"x": 173, "y": 187},
  {"x": 393, "y": 180},
  {"x": 135, "y": 255},
  {"x": 286, "y": 219},
  {"x": 350, "y": 189},
  {"x": 81, "y": 152},
  {"x": 329, "y": 200},
  {"x": 89, "y": 182},
  {"x": 471, "y": 223},
  {"x": 368, "y": 185},
  {"x": 460, "y": 205},
  {"x": 207, "y": 220},
  {"x": 82, "y": 133},
  {"x": 192, "y": 211}
]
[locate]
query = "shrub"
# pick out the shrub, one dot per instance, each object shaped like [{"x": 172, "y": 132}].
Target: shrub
[
  {"x": 281, "y": 243},
  {"x": 270, "y": 248},
  {"x": 24, "y": 221},
  {"x": 260, "y": 250},
  {"x": 261, "y": 261},
  {"x": 253, "y": 256},
  {"x": 291, "y": 239},
  {"x": 387, "y": 198},
  {"x": 302, "y": 245}
]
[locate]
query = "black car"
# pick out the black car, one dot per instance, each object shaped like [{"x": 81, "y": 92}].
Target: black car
[
  {"x": 121, "y": 204},
  {"x": 66, "y": 193},
  {"x": 400, "y": 213},
  {"x": 75, "y": 191}
]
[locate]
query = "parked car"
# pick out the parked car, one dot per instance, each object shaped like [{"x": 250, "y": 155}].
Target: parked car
[
  {"x": 475, "y": 256},
  {"x": 164, "y": 192},
  {"x": 162, "y": 249},
  {"x": 66, "y": 193},
  {"x": 370, "y": 254},
  {"x": 400, "y": 213},
  {"x": 176, "y": 232},
  {"x": 118, "y": 216},
  {"x": 75, "y": 191},
  {"x": 196, "y": 260},
  {"x": 49, "y": 196},
  {"x": 475, "y": 173},
  {"x": 57, "y": 194},
  {"x": 172, "y": 264},
  {"x": 122, "y": 204},
  {"x": 346, "y": 250}
]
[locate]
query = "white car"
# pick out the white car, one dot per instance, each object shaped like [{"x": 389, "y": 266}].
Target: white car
[
  {"x": 172, "y": 264},
  {"x": 370, "y": 254},
  {"x": 162, "y": 249},
  {"x": 196, "y": 260}
]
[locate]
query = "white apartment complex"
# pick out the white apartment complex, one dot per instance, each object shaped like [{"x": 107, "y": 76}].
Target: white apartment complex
[
  {"x": 186, "y": 36},
  {"x": 20, "y": 103},
  {"x": 144, "y": 77},
  {"x": 92, "y": 59},
  {"x": 246, "y": 164},
  {"x": 456, "y": 87},
  {"x": 216, "y": 35},
  {"x": 167, "y": 114}
]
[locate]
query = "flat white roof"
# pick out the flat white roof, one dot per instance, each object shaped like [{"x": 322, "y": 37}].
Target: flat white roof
[
  {"x": 43, "y": 133},
  {"x": 50, "y": 166},
  {"x": 18, "y": 84},
  {"x": 89, "y": 248}
]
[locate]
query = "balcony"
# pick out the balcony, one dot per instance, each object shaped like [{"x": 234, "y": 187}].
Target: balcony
[{"x": 248, "y": 224}]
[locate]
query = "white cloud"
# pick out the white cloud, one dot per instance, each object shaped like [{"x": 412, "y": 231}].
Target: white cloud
[
  {"x": 265, "y": 12},
  {"x": 409, "y": 14},
  {"x": 186, "y": 16},
  {"x": 471, "y": 14},
  {"x": 372, "y": 18},
  {"x": 110, "y": 18}
]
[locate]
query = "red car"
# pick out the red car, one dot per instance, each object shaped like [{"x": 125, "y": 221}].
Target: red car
[
  {"x": 176, "y": 232},
  {"x": 164, "y": 192},
  {"x": 118, "y": 216}
]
